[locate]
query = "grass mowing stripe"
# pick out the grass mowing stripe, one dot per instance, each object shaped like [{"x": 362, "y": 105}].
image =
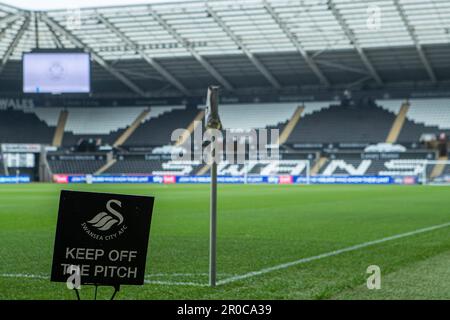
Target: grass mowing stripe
[
  {"x": 330, "y": 254},
  {"x": 274, "y": 268}
]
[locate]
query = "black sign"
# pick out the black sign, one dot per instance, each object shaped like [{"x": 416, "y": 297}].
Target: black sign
[{"x": 102, "y": 237}]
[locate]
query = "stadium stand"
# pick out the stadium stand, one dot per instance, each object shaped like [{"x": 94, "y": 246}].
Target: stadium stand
[
  {"x": 106, "y": 123},
  {"x": 426, "y": 116},
  {"x": 75, "y": 164},
  {"x": 343, "y": 123},
  {"x": 392, "y": 105},
  {"x": 250, "y": 116},
  {"x": 17, "y": 126},
  {"x": 135, "y": 167},
  {"x": 154, "y": 167},
  {"x": 431, "y": 112},
  {"x": 157, "y": 128},
  {"x": 48, "y": 115},
  {"x": 2, "y": 166},
  {"x": 98, "y": 123},
  {"x": 316, "y": 122}
]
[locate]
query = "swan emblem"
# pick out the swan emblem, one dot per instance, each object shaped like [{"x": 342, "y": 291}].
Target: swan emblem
[{"x": 105, "y": 220}]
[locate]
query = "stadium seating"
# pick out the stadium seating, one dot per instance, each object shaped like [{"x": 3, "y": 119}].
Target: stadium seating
[
  {"x": 426, "y": 116},
  {"x": 106, "y": 123},
  {"x": 154, "y": 167},
  {"x": 447, "y": 170},
  {"x": 369, "y": 124},
  {"x": 320, "y": 122},
  {"x": 157, "y": 128},
  {"x": 99, "y": 123},
  {"x": 100, "y": 120},
  {"x": 2, "y": 166},
  {"x": 250, "y": 116},
  {"x": 392, "y": 105},
  {"x": 48, "y": 115},
  {"x": 73, "y": 164},
  {"x": 431, "y": 112},
  {"x": 17, "y": 126},
  {"x": 135, "y": 167}
]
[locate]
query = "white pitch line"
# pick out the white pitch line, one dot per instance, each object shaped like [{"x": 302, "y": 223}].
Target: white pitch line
[
  {"x": 184, "y": 274},
  {"x": 171, "y": 283},
  {"x": 23, "y": 275},
  {"x": 330, "y": 254}
]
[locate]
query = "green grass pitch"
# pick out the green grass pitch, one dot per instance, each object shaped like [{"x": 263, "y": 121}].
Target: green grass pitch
[{"x": 258, "y": 227}]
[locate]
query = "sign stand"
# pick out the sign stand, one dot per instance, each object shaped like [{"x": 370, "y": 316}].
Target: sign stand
[
  {"x": 77, "y": 293},
  {"x": 213, "y": 122},
  {"x": 116, "y": 289}
]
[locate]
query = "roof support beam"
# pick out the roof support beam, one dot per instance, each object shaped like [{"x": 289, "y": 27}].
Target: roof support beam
[
  {"x": 10, "y": 18},
  {"x": 194, "y": 53},
  {"x": 152, "y": 62},
  {"x": 358, "y": 82},
  {"x": 9, "y": 21},
  {"x": 341, "y": 67},
  {"x": 242, "y": 46},
  {"x": 77, "y": 42},
  {"x": 414, "y": 38},
  {"x": 14, "y": 43},
  {"x": 293, "y": 38},
  {"x": 9, "y": 8},
  {"x": 350, "y": 35},
  {"x": 36, "y": 28},
  {"x": 55, "y": 38}
]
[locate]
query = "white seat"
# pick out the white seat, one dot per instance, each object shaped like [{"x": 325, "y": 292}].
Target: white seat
[
  {"x": 100, "y": 120},
  {"x": 431, "y": 112},
  {"x": 156, "y": 111},
  {"x": 391, "y": 105},
  {"x": 49, "y": 115},
  {"x": 311, "y": 107},
  {"x": 262, "y": 115}
]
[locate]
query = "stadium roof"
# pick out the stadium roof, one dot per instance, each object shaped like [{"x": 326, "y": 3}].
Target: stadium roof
[{"x": 255, "y": 43}]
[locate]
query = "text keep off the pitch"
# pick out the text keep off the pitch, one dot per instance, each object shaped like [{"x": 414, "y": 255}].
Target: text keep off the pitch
[{"x": 104, "y": 235}]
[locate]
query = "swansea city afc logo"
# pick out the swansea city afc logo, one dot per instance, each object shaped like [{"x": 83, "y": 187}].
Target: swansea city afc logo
[{"x": 106, "y": 225}]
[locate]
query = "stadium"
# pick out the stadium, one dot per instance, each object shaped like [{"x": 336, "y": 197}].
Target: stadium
[{"x": 353, "y": 98}]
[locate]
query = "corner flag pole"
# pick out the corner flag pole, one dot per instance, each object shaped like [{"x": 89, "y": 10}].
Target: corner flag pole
[
  {"x": 213, "y": 122},
  {"x": 213, "y": 227}
]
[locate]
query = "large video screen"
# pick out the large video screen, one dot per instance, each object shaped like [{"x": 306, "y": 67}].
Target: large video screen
[{"x": 56, "y": 73}]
